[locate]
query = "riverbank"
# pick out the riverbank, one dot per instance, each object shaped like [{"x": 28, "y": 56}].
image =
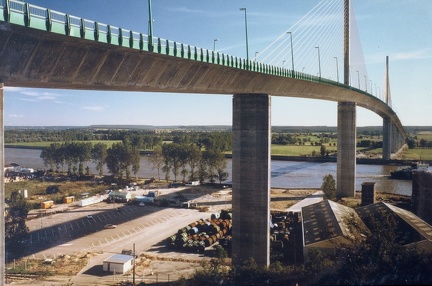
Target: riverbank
[{"x": 318, "y": 159}]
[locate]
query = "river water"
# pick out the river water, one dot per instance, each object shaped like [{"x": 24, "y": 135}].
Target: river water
[{"x": 284, "y": 174}]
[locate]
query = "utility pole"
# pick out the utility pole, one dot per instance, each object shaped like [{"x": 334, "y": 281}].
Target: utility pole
[{"x": 133, "y": 272}]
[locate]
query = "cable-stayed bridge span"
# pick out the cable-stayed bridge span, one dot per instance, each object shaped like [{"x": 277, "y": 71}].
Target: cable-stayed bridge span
[{"x": 49, "y": 49}]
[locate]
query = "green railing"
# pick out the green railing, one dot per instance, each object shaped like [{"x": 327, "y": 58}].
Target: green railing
[{"x": 28, "y": 15}]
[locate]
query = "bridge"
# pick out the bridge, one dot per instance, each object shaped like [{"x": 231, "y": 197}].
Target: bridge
[{"x": 48, "y": 49}]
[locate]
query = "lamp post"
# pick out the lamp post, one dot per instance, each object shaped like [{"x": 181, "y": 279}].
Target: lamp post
[
  {"x": 283, "y": 64},
  {"x": 150, "y": 26},
  {"x": 247, "y": 44},
  {"x": 365, "y": 83},
  {"x": 319, "y": 61},
  {"x": 292, "y": 53},
  {"x": 214, "y": 44},
  {"x": 256, "y": 54},
  {"x": 337, "y": 69},
  {"x": 358, "y": 78}
]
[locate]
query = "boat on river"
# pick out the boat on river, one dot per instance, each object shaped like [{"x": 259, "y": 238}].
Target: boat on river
[{"x": 407, "y": 172}]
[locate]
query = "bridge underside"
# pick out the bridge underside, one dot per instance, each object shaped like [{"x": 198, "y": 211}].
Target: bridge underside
[{"x": 35, "y": 58}]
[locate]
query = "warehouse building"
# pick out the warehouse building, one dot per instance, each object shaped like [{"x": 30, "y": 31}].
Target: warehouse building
[
  {"x": 118, "y": 263},
  {"x": 119, "y": 196},
  {"x": 411, "y": 230},
  {"x": 328, "y": 225}
]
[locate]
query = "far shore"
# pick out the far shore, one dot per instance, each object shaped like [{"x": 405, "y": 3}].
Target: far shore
[{"x": 362, "y": 161}]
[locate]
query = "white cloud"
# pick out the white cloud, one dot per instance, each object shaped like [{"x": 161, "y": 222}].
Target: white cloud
[
  {"x": 28, "y": 99},
  {"x": 13, "y": 89},
  {"x": 94, "y": 107},
  {"x": 379, "y": 58},
  {"x": 15, "y": 115},
  {"x": 413, "y": 55},
  {"x": 41, "y": 95}
]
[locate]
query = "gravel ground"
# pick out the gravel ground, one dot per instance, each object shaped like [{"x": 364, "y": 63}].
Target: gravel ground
[{"x": 156, "y": 263}]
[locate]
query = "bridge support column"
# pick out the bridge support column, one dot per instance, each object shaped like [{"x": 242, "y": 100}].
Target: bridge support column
[
  {"x": 346, "y": 149},
  {"x": 251, "y": 178},
  {"x": 395, "y": 141},
  {"x": 387, "y": 140},
  {"x": 2, "y": 198}
]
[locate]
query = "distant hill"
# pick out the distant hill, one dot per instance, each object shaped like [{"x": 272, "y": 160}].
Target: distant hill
[{"x": 291, "y": 129}]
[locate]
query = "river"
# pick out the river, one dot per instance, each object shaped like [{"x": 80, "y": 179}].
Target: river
[{"x": 284, "y": 174}]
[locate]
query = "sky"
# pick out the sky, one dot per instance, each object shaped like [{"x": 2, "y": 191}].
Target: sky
[{"x": 399, "y": 29}]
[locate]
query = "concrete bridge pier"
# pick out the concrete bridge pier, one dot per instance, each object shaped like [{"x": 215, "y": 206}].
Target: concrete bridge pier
[
  {"x": 251, "y": 178},
  {"x": 2, "y": 198},
  {"x": 346, "y": 149},
  {"x": 387, "y": 138},
  {"x": 397, "y": 139}
]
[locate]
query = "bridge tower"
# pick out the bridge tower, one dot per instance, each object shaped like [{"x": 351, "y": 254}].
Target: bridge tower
[{"x": 347, "y": 126}]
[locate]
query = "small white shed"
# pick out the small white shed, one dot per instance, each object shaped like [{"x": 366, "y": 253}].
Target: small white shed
[{"x": 118, "y": 263}]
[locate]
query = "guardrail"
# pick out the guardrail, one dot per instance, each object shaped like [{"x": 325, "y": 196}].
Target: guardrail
[{"x": 32, "y": 16}]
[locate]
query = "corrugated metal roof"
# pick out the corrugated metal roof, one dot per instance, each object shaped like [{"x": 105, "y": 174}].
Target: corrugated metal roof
[
  {"x": 327, "y": 220},
  {"x": 411, "y": 228}
]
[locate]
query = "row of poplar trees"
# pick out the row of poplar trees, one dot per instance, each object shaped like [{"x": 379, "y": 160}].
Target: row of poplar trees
[{"x": 199, "y": 159}]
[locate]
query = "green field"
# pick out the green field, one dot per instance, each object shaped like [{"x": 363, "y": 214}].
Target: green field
[
  {"x": 298, "y": 150},
  {"x": 426, "y": 135},
  {"x": 419, "y": 154}
]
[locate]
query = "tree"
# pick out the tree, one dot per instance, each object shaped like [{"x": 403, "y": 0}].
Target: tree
[
  {"x": 329, "y": 187},
  {"x": 323, "y": 150},
  {"x": 48, "y": 155},
  {"x": 193, "y": 160},
  {"x": 84, "y": 155},
  {"x": 16, "y": 231},
  {"x": 99, "y": 153},
  {"x": 411, "y": 143},
  {"x": 157, "y": 160},
  {"x": 168, "y": 161},
  {"x": 114, "y": 159},
  {"x": 183, "y": 158},
  {"x": 135, "y": 161}
]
